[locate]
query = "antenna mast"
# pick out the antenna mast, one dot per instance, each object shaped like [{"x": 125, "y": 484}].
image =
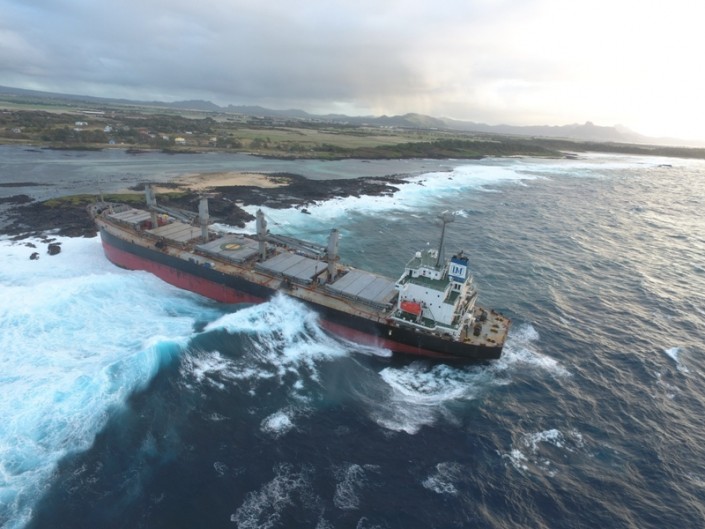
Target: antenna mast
[
  {"x": 445, "y": 217},
  {"x": 262, "y": 234},
  {"x": 151, "y": 203},
  {"x": 203, "y": 217}
]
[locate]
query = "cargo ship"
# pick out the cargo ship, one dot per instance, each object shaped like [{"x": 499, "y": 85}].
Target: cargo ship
[{"x": 429, "y": 311}]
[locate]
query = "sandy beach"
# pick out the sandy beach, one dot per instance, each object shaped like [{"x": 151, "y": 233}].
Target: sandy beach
[{"x": 201, "y": 181}]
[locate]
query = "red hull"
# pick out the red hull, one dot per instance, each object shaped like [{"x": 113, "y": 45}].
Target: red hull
[
  {"x": 332, "y": 321},
  {"x": 199, "y": 285}
]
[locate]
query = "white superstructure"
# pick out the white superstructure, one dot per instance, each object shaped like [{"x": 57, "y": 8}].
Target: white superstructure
[{"x": 436, "y": 294}]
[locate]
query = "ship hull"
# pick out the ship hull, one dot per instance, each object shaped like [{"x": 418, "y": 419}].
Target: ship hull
[{"x": 228, "y": 288}]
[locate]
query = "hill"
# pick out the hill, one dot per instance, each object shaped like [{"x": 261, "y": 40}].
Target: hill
[{"x": 579, "y": 132}]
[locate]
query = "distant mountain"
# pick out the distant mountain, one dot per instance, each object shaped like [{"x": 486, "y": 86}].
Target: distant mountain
[
  {"x": 579, "y": 132},
  {"x": 585, "y": 132},
  {"x": 267, "y": 112},
  {"x": 194, "y": 104}
]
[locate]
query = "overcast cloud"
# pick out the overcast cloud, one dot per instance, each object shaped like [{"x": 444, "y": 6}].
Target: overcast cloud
[{"x": 496, "y": 61}]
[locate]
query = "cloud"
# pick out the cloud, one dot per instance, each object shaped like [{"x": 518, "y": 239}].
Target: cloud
[
  {"x": 514, "y": 61},
  {"x": 314, "y": 51}
]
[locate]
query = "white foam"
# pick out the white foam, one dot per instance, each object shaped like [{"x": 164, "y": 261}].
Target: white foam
[
  {"x": 553, "y": 436},
  {"x": 569, "y": 441},
  {"x": 530, "y": 449},
  {"x": 443, "y": 480},
  {"x": 365, "y": 350},
  {"x": 77, "y": 336},
  {"x": 288, "y": 334},
  {"x": 431, "y": 386},
  {"x": 674, "y": 354},
  {"x": 417, "y": 394},
  {"x": 520, "y": 352},
  {"x": 278, "y": 423},
  {"x": 517, "y": 459},
  {"x": 281, "y": 341},
  {"x": 263, "y": 508},
  {"x": 434, "y": 188},
  {"x": 417, "y": 191},
  {"x": 351, "y": 478}
]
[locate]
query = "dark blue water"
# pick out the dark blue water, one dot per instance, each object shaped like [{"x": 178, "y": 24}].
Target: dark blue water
[{"x": 128, "y": 403}]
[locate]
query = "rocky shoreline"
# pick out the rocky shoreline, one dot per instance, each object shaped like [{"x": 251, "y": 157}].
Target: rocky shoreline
[{"x": 27, "y": 218}]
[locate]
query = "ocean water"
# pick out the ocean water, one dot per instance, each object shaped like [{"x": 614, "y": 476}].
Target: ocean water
[
  {"x": 44, "y": 173},
  {"x": 125, "y": 402}
]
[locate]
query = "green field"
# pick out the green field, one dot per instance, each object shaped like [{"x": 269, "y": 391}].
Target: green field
[{"x": 68, "y": 123}]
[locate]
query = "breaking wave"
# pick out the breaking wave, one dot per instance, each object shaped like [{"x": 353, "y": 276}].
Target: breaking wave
[
  {"x": 675, "y": 354},
  {"x": 587, "y": 419},
  {"x": 419, "y": 394},
  {"x": 73, "y": 347}
]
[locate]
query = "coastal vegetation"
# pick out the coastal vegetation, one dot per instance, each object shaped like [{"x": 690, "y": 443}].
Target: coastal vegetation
[{"x": 134, "y": 128}]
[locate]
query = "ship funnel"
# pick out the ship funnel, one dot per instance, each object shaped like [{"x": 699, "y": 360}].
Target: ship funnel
[
  {"x": 332, "y": 252},
  {"x": 445, "y": 217},
  {"x": 203, "y": 217},
  {"x": 261, "y": 223}
]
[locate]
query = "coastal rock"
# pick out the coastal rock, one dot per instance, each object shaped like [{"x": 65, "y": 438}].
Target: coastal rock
[
  {"x": 54, "y": 248},
  {"x": 16, "y": 199},
  {"x": 70, "y": 219}
]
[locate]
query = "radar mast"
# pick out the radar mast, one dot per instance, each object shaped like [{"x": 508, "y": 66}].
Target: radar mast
[{"x": 445, "y": 217}]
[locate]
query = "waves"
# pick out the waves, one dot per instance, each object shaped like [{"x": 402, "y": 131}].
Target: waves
[
  {"x": 91, "y": 341},
  {"x": 543, "y": 451},
  {"x": 421, "y": 394},
  {"x": 417, "y": 194},
  {"x": 674, "y": 353},
  {"x": 72, "y": 348},
  {"x": 287, "y": 333},
  {"x": 266, "y": 507},
  {"x": 156, "y": 406}
]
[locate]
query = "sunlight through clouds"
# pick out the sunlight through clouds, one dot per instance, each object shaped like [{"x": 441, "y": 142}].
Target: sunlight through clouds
[{"x": 493, "y": 61}]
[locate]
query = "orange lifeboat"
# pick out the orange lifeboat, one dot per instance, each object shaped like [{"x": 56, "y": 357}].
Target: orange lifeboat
[{"x": 412, "y": 307}]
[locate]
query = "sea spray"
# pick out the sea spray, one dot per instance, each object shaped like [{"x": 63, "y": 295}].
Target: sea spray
[{"x": 73, "y": 347}]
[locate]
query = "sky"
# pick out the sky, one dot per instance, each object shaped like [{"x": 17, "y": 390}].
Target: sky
[{"x": 635, "y": 63}]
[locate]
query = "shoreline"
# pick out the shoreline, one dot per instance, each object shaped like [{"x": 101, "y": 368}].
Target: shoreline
[
  {"x": 210, "y": 180},
  {"x": 227, "y": 192}
]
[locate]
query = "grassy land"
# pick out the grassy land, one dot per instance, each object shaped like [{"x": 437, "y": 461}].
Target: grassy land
[
  {"x": 84, "y": 200},
  {"x": 177, "y": 134},
  {"x": 63, "y": 124}
]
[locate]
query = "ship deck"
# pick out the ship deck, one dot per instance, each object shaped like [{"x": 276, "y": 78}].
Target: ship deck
[
  {"x": 366, "y": 287},
  {"x": 493, "y": 330},
  {"x": 230, "y": 248},
  {"x": 235, "y": 255},
  {"x": 354, "y": 292},
  {"x": 293, "y": 266}
]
